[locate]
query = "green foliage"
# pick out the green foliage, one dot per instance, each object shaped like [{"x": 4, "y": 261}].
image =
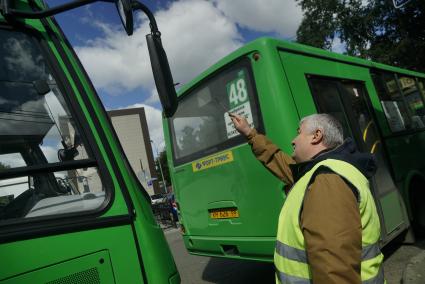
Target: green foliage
[
  {"x": 164, "y": 165},
  {"x": 376, "y": 30},
  {"x": 3, "y": 166},
  {"x": 318, "y": 26}
]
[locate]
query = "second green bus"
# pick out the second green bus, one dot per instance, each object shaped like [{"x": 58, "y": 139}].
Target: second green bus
[{"x": 229, "y": 203}]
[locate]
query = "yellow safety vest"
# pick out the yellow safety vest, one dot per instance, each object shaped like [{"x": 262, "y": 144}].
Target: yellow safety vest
[{"x": 290, "y": 257}]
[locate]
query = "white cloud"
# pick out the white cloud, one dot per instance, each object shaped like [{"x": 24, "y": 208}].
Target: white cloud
[
  {"x": 51, "y": 153},
  {"x": 279, "y": 16},
  {"x": 12, "y": 160},
  {"x": 338, "y": 46},
  {"x": 195, "y": 34},
  {"x": 154, "y": 98}
]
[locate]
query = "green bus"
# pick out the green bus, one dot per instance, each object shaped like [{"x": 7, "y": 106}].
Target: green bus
[
  {"x": 71, "y": 208},
  {"x": 228, "y": 202}
]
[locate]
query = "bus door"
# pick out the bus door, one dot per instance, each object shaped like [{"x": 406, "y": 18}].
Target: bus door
[
  {"x": 346, "y": 100},
  {"x": 342, "y": 90}
]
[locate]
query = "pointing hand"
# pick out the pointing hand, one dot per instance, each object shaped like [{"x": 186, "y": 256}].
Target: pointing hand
[{"x": 240, "y": 123}]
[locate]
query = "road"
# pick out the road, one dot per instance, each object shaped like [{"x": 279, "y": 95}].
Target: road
[{"x": 199, "y": 270}]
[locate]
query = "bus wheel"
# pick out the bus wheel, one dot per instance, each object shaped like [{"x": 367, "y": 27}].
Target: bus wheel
[{"x": 417, "y": 202}]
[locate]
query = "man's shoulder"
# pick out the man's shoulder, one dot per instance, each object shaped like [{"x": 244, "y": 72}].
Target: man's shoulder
[{"x": 329, "y": 182}]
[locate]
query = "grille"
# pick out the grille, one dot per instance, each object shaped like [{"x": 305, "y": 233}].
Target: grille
[{"x": 89, "y": 276}]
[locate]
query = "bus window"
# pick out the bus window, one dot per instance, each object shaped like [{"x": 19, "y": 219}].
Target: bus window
[
  {"x": 413, "y": 100},
  {"x": 349, "y": 98},
  {"x": 8, "y": 161},
  {"x": 327, "y": 98},
  {"x": 421, "y": 86},
  {"x": 201, "y": 124},
  {"x": 38, "y": 130},
  {"x": 345, "y": 101},
  {"x": 13, "y": 187},
  {"x": 392, "y": 102}
]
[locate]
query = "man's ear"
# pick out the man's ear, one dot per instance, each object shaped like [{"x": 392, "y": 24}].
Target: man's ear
[{"x": 317, "y": 136}]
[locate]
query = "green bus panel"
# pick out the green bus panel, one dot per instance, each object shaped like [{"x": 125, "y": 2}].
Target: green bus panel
[
  {"x": 93, "y": 268},
  {"x": 391, "y": 205},
  {"x": 34, "y": 256},
  {"x": 242, "y": 183},
  {"x": 252, "y": 248},
  {"x": 406, "y": 153}
]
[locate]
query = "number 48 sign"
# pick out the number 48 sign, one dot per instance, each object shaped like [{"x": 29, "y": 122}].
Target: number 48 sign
[{"x": 236, "y": 90}]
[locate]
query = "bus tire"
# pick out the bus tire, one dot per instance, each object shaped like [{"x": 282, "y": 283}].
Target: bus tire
[{"x": 417, "y": 203}]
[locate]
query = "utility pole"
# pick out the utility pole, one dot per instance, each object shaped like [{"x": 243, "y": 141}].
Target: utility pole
[{"x": 160, "y": 167}]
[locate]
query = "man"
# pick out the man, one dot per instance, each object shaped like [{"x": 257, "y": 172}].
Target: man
[{"x": 328, "y": 228}]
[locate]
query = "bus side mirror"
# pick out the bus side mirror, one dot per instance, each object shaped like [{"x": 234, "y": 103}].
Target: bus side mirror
[
  {"x": 162, "y": 74},
  {"x": 126, "y": 15},
  {"x": 160, "y": 68}
]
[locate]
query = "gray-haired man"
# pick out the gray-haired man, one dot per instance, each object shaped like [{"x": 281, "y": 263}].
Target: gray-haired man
[{"x": 328, "y": 228}]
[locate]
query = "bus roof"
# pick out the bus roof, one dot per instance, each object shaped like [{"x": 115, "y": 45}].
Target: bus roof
[{"x": 267, "y": 43}]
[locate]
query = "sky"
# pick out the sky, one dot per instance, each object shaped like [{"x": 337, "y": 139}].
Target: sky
[{"x": 195, "y": 35}]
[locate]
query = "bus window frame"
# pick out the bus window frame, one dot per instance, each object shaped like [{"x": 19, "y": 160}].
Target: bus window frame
[
  {"x": 18, "y": 227},
  {"x": 244, "y": 61},
  {"x": 89, "y": 104},
  {"x": 417, "y": 86},
  {"x": 391, "y": 134},
  {"x": 365, "y": 97},
  {"x": 409, "y": 110},
  {"x": 403, "y": 97}
]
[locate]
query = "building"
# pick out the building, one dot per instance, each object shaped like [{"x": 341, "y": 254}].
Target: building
[{"x": 132, "y": 130}]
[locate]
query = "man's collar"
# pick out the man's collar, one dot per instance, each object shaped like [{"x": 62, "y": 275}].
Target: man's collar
[{"x": 299, "y": 169}]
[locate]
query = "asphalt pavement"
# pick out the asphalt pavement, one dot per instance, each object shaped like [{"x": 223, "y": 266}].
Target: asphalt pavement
[
  {"x": 402, "y": 264},
  {"x": 414, "y": 272}
]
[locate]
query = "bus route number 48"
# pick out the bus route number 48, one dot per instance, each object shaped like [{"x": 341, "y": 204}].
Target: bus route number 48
[{"x": 237, "y": 92}]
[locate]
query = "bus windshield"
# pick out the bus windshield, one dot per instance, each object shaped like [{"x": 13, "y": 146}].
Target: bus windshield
[
  {"x": 38, "y": 136},
  {"x": 201, "y": 124}
]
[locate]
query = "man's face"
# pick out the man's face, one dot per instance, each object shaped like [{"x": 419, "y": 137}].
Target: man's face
[{"x": 302, "y": 145}]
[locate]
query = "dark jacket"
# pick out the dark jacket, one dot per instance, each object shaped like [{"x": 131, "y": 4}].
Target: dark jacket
[{"x": 330, "y": 219}]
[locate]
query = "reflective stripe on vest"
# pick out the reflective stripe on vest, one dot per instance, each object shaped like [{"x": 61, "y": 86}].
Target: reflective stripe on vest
[
  {"x": 287, "y": 279},
  {"x": 284, "y": 279},
  {"x": 290, "y": 256},
  {"x": 300, "y": 255}
]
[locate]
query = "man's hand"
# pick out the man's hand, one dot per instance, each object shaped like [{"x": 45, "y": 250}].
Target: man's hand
[{"x": 240, "y": 123}]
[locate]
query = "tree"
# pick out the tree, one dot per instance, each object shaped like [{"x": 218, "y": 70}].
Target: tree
[
  {"x": 164, "y": 165},
  {"x": 3, "y": 166},
  {"x": 375, "y": 30},
  {"x": 318, "y": 26}
]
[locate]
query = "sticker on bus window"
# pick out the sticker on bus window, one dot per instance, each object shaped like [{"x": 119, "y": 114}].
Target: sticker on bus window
[
  {"x": 237, "y": 94},
  {"x": 242, "y": 110},
  {"x": 237, "y": 91}
]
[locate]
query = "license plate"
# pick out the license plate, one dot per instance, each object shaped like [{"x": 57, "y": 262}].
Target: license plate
[{"x": 224, "y": 214}]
